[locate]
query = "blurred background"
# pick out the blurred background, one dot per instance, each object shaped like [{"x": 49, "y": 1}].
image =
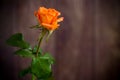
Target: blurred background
[{"x": 86, "y": 46}]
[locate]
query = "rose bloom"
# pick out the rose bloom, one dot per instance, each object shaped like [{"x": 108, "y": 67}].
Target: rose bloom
[{"x": 48, "y": 18}]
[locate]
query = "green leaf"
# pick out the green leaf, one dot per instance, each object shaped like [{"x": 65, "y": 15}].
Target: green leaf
[
  {"x": 41, "y": 68},
  {"x": 24, "y": 72},
  {"x": 48, "y": 78},
  {"x": 24, "y": 53},
  {"x": 17, "y": 40},
  {"x": 48, "y": 57},
  {"x": 33, "y": 77}
]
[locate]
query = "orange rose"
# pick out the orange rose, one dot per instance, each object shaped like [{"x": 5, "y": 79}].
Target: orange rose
[{"x": 48, "y": 18}]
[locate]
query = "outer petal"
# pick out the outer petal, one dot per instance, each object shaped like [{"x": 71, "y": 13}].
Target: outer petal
[
  {"x": 48, "y": 26},
  {"x": 60, "y": 19},
  {"x": 42, "y": 10}
]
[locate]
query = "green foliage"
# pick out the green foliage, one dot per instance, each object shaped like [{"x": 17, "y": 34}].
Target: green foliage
[
  {"x": 17, "y": 40},
  {"x": 33, "y": 77},
  {"x": 24, "y": 72},
  {"x": 40, "y": 67},
  {"x": 49, "y": 78},
  {"x": 24, "y": 53},
  {"x": 35, "y": 49},
  {"x": 48, "y": 57}
]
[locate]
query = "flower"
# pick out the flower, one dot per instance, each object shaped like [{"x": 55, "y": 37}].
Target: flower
[{"x": 48, "y": 18}]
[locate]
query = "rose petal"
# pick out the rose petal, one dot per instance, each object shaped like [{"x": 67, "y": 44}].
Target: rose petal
[{"x": 60, "y": 19}]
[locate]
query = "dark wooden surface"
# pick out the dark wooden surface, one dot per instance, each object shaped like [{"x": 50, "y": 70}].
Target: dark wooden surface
[{"x": 86, "y": 46}]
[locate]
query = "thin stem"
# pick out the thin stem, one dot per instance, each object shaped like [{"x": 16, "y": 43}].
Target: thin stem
[{"x": 40, "y": 40}]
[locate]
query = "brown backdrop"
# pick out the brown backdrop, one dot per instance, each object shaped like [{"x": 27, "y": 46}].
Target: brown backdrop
[{"x": 86, "y": 46}]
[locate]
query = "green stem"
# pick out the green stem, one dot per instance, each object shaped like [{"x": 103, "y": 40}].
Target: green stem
[
  {"x": 39, "y": 45},
  {"x": 40, "y": 41}
]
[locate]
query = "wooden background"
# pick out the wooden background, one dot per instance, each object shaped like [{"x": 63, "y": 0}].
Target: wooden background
[{"x": 86, "y": 46}]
